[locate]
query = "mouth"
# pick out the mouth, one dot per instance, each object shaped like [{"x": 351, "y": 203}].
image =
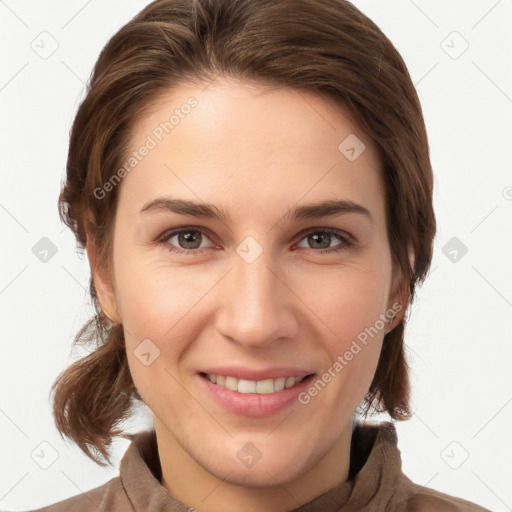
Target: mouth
[
  {"x": 260, "y": 387},
  {"x": 254, "y": 398}
]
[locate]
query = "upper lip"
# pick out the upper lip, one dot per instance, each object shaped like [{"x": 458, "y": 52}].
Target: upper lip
[{"x": 241, "y": 372}]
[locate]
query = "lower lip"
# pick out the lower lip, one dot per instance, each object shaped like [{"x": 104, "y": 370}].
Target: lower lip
[{"x": 254, "y": 404}]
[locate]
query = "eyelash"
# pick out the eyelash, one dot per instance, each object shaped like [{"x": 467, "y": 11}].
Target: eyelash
[{"x": 346, "y": 240}]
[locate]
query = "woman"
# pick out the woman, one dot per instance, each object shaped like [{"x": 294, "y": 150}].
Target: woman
[{"x": 252, "y": 184}]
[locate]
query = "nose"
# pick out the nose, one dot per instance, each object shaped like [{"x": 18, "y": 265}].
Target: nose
[{"x": 258, "y": 307}]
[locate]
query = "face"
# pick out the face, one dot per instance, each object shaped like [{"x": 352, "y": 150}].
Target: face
[{"x": 264, "y": 291}]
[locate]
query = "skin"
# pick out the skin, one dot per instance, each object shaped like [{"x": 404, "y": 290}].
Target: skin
[{"x": 256, "y": 152}]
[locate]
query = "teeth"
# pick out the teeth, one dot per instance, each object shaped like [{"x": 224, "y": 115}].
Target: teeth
[
  {"x": 246, "y": 386},
  {"x": 265, "y": 386},
  {"x": 231, "y": 383},
  {"x": 290, "y": 381},
  {"x": 279, "y": 384},
  {"x": 261, "y": 387}
]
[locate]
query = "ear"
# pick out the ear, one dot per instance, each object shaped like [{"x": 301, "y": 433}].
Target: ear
[
  {"x": 101, "y": 278},
  {"x": 399, "y": 296}
]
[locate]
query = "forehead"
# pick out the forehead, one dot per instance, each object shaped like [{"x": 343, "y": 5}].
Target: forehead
[{"x": 250, "y": 143}]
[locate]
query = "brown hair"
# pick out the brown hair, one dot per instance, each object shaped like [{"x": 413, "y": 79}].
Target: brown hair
[{"x": 323, "y": 46}]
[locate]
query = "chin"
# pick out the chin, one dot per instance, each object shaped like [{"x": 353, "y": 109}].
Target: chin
[
  {"x": 274, "y": 464},
  {"x": 260, "y": 475}
]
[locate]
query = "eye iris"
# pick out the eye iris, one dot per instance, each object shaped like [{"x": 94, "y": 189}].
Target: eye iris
[
  {"x": 187, "y": 237},
  {"x": 323, "y": 238}
]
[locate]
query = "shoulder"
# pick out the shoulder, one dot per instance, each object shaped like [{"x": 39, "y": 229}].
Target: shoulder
[
  {"x": 425, "y": 499},
  {"x": 110, "y": 496}
]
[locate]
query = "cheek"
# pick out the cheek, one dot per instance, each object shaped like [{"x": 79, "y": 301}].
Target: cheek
[
  {"x": 161, "y": 304},
  {"x": 346, "y": 301},
  {"x": 158, "y": 305},
  {"x": 352, "y": 353},
  {"x": 350, "y": 305},
  {"x": 154, "y": 298}
]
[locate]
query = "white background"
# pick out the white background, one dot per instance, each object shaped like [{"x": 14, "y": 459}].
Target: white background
[{"x": 458, "y": 336}]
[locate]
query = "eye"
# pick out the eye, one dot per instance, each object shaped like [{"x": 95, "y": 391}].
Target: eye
[
  {"x": 190, "y": 240},
  {"x": 322, "y": 238}
]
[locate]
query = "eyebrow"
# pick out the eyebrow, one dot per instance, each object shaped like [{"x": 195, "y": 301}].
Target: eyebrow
[{"x": 319, "y": 210}]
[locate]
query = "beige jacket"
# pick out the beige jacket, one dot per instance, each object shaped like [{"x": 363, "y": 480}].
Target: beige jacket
[{"x": 376, "y": 483}]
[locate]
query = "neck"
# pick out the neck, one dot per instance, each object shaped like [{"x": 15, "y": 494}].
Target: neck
[{"x": 194, "y": 486}]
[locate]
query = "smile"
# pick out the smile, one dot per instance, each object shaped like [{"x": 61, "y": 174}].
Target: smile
[
  {"x": 261, "y": 387},
  {"x": 254, "y": 398}
]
